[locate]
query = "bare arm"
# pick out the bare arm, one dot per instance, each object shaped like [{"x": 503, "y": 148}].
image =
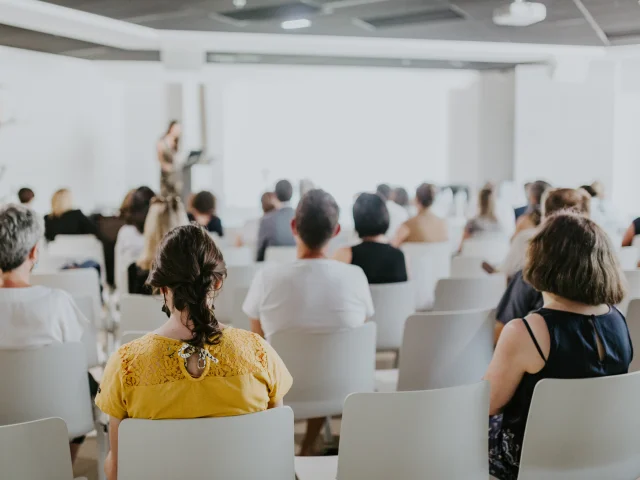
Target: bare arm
[
  {"x": 627, "y": 240},
  {"x": 401, "y": 235},
  {"x": 256, "y": 326},
  {"x": 343, "y": 255},
  {"x": 111, "y": 462}
]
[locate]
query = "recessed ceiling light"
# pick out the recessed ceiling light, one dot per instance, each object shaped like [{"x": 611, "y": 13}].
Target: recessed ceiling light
[
  {"x": 296, "y": 24},
  {"x": 239, "y": 3}
]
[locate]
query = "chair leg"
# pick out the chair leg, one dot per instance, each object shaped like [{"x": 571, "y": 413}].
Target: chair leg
[
  {"x": 396, "y": 361},
  {"x": 328, "y": 436},
  {"x": 102, "y": 441}
]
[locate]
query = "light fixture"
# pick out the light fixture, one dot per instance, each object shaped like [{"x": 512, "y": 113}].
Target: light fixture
[
  {"x": 239, "y": 3},
  {"x": 296, "y": 24}
]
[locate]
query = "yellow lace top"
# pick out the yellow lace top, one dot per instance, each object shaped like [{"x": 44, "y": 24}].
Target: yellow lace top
[{"x": 148, "y": 379}]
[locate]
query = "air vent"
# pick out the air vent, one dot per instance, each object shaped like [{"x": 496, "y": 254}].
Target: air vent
[
  {"x": 623, "y": 35},
  {"x": 286, "y": 11},
  {"x": 412, "y": 18}
]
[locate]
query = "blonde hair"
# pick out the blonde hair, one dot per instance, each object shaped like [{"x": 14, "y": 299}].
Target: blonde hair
[
  {"x": 61, "y": 202},
  {"x": 164, "y": 215}
]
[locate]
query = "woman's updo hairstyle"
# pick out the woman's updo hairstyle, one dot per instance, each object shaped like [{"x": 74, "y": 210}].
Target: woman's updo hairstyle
[{"x": 189, "y": 264}]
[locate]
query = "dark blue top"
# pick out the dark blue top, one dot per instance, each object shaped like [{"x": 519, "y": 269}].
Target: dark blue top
[
  {"x": 518, "y": 300},
  {"x": 520, "y": 211},
  {"x": 573, "y": 353},
  {"x": 636, "y": 226},
  {"x": 214, "y": 225}
]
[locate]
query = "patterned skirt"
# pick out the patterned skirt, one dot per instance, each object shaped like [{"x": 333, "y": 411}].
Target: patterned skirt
[{"x": 504, "y": 451}]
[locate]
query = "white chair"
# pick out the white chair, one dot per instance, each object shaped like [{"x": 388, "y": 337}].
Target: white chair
[
  {"x": 79, "y": 248},
  {"x": 465, "y": 267},
  {"x": 393, "y": 303},
  {"x": 35, "y": 450},
  {"x": 141, "y": 313},
  {"x": 238, "y": 256},
  {"x": 280, "y": 254},
  {"x": 258, "y": 445},
  {"x": 440, "y": 350},
  {"x": 90, "y": 334},
  {"x": 435, "y": 434},
  {"x": 456, "y": 232},
  {"x": 454, "y": 294},
  {"x": 327, "y": 367},
  {"x": 427, "y": 263},
  {"x": 130, "y": 336},
  {"x": 633, "y": 289},
  {"x": 584, "y": 429},
  {"x": 628, "y": 257},
  {"x": 238, "y": 276},
  {"x": 633, "y": 322},
  {"x": 493, "y": 248}
]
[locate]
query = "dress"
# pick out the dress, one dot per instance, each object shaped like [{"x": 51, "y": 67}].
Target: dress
[{"x": 171, "y": 182}]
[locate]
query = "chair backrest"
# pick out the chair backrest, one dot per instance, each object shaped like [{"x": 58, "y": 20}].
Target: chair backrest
[
  {"x": 327, "y": 367},
  {"x": 238, "y": 256},
  {"x": 141, "y": 313},
  {"x": 454, "y": 294},
  {"x": 416, "y": 435},
  {"x": 393, "y": 303},
  {"x": 427, "y": 263},
  {"x": 90, "y": 334},
  {"x": 280, "y": 254},
  {"x": 628, "y": 257},
  {"x": 585, "y": 429},
  {"x": 466, "y": 267},
  {"x": 35, "y": 450},
  {"x": 46, "y": 382},
  {"x": 79, "y": 282},
  {"x": 258, "y": 445},
  {"x": 445, "y": 349},
  {"x": 78, "y": 247},
  {"x": 238, "y": 276},
  {"x": 633, "y": 322},
  {"x": 633, "y": 289},
  {"x": 238, "y": 318},
  {"x": 130, "y": 336},
  {"x": 493, "y": 248}
]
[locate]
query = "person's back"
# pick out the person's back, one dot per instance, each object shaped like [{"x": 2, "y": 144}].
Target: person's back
[
  {"x": 275, "y": 227},
  {"x": 71, "y": 222},
  {"x": 380, "y": 262},
  {"x": 427, "y": 227}
]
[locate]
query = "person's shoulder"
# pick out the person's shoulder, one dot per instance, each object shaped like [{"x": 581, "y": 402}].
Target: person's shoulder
[
  {"x": 248, "y": 350},
  {"x": 347, "y": 272}
]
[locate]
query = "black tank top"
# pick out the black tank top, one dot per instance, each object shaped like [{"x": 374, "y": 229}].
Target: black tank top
[
  {"x": 573, "y": 353},
  {"x": 381, "y": 262}
]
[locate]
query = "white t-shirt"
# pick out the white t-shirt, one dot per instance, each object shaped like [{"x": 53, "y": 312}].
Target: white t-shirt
[
  {"x": 316, "y": 294},
  {"x": 517, "y": 252},
  {"x": 397, "y": 216},
  {"x": 38, "y": 316}
]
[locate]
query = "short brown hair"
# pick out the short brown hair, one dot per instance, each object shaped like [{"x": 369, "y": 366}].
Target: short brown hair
[
  {"x": 573, "y": 258},
  {"x": 559, "y": 199},
  {"x": 204, "y": 202},
  {"x": 426, "y": 194},
  {"x": 316, "y": 218}
]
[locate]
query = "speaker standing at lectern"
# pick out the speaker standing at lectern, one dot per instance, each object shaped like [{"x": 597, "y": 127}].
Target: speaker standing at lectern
[{"x": 171, "y": 172}]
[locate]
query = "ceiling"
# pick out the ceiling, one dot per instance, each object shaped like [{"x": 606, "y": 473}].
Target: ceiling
[{"x": 465, "y": 20}]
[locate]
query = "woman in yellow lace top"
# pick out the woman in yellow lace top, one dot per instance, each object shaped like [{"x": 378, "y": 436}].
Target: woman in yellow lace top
[{"x": 192, "y": 366}]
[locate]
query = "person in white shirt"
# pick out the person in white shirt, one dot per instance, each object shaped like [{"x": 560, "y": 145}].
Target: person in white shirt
[
  {"x": 31, "y": 316},
  {"x": 397, "y": 214},
  {"x": 314, "y": 293}
]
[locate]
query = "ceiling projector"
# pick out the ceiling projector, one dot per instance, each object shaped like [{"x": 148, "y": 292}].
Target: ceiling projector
[{"x": 520, "y": 13}]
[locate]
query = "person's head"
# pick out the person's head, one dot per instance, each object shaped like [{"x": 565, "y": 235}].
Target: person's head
[
  {"x": 268, "y": 202},
  {"x": 316, "y": 220},
  {"x": 284, "y": 191},
  {"x": 425, "y": 195},
  {"x": 203, "y": 207},
  {"x": 136, "y": 214},
  {"x": 535, "y": 192},
  {"x": 26, "y": 196},
  {"x": 189, "y": 270},
  {"x": 487, "y": 203},
  {"x": 384, "y": 191},
  {"x": 558, "y": 199},
  {"x": 164, "y": 215},
  {"x": 61, "y": 202},
  {"x": 126, "y": 203},
  {"x": 370, "y": 215},
  {"x": 589, "y": 189},
  {"x": 571, "y": 257},
  {"x": 400, "y": 196},
  {"x": 174, "y": 129},
  {"x": 20, "y": 231}
]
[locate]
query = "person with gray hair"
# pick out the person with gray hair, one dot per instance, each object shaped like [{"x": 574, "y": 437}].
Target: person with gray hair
[{"x": 31, "y": 316}]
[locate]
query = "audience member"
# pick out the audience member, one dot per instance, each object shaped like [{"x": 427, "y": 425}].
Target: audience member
[
  {"x": 380, "y": 262},
  {"x": 154, "y": 377},
  {"x": 397, "y": 214},
  {"x": 32, "y": 316},
  {"x": 313, "y": 293},
  {"x": 530, "y": 219},
  {"x": 400, "y": 196},
  {"x": 26, "y": 196},
  {"x": 522, "y": 210},
  {"x": 578, "y": 333},
  {"x": 249, "y": 232},
  {"x": 521, "y": 298},
  {"x": 164, "y": 215},
  {"x": 64, "y": 220},
  {"x": 274, "y": 227},
  {"x": 486, "y": 221},
  {"x": 130, "y": 242},
  {"x": 425, "y": 226},
  {"x": 204, "y": 212}
]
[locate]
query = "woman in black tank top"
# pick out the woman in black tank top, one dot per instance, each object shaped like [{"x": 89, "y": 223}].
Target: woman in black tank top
[
  {"x": 380, "y": 262},
  {"x": 577, "y": 333}
]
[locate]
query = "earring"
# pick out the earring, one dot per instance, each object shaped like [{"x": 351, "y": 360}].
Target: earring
[{"x": 165, "y": 309}]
